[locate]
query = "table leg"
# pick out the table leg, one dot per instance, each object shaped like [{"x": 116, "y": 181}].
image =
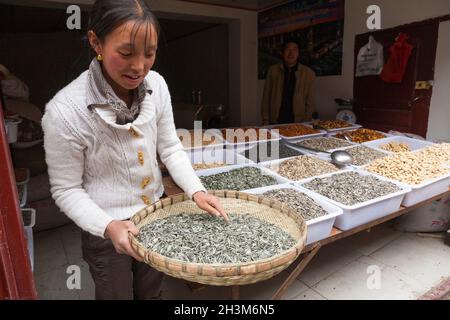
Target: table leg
[{"x": 296, "y": 272}]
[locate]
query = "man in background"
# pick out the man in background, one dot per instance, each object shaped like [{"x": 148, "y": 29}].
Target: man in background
[{"x": 289, "y": 91}]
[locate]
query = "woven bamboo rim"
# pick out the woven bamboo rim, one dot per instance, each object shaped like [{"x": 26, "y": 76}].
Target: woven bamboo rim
[{"x": 224, "y": 274}]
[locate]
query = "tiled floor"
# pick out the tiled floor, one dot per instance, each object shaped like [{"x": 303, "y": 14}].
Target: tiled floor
[{"x": 380, "y": 264}]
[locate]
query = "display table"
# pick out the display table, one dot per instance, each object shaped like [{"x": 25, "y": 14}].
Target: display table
[{"x": 310, "y": 250}]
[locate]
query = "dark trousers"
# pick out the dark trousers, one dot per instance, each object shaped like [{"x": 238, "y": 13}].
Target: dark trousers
[{"x": 118, "y": 276}]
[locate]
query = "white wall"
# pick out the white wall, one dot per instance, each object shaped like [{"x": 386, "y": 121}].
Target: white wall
[
  {"x": 393, "y": 13},
  {"x": 439, "y": 120}
]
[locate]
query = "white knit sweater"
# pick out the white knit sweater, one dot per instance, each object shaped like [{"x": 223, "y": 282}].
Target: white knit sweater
[{"x": 101, "y": 171}]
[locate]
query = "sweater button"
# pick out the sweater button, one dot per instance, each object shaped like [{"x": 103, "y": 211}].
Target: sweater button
[
  {"x": 133, "y": 132},
  {"x": 145, "y": 182},
  {"x": 141, "y": 157},
  {"x": 146, "y": 200}
]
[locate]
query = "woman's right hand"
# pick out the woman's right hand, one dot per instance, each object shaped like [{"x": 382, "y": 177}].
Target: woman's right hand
[{"x": 117, "y": 231}]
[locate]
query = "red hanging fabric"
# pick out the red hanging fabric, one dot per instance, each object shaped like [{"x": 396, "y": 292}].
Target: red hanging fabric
[{"x": 399, "y": 53}]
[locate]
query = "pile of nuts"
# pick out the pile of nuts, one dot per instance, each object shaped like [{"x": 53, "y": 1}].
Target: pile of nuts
[
  {"x": 409, "y": 167},
  {"x": 333, "y": 124},
  {"x": 396, "y": 147},
  {"x": 303, "y": 167},
  {"x": 439, "y": 152},
  {"x": 238, "y": 135},
  {"x": 362, "y": 135},
  {"x": 295, "y": 130}
]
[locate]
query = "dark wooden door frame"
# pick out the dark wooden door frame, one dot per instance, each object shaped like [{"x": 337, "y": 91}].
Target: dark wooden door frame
[{"x": 16, "y": 277}]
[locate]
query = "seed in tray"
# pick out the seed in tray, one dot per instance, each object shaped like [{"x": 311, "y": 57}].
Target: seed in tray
[
  {"x": 200, "y": 238},
  {"x": 201, "y": 166},
  {"x": 295, "y": 130},
  {"x": 363, "y": 155},
  {"x": 396, "y": 147},
  {"x": 324, "y": 143},
  {"x": 302, "y": 167},
  {"x": 333, "y": 124},
  {"x": 351, "y": 188},
  {"x": 298, "y": 201},
  {"x": 238, "y": 179},
  {"x": 361, "y": 135},
  {"x": 263, "y": 151}
]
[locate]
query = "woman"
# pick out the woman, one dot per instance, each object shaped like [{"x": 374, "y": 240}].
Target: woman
[{"x": 102, "y": 135}]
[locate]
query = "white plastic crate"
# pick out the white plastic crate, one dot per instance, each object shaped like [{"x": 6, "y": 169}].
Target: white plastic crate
[
  {"x": 426, "y": 190},
  {"x": 264, "y": 171},
  {"x": 318, "y": 228},
  {"x": 307, "y": 151},
  {"x": 321, "y": 133},
  {"x": 414, "y": 144},
  {"x": 266, "y": 165},
  {"x": 353, "y": 127},
  {"x": 219, "y": 143},
  {"x": 242, "y": 146},
  {"x": 212, "y": 155},
  {"x": 333, "y": 134},
  {"x": 29, "y": 217},
  {"x": 362, "y": 213}
]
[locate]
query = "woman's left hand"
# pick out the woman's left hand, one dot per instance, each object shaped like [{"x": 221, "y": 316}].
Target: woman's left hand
[{"x": 210, "y": 204}]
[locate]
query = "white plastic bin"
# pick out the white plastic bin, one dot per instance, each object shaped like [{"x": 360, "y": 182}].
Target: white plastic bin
[
  {"x": 362, "y": 213},
  {"x": 264, "y": 171},
  {"x": 243, "y": 146},
  {"x": 318, "y": 228},
  {"x": 426, "y": 190},
  {"x": 212, "y": 155},
  {"x": 414, "y": 144},
  {"x": 266, "y": 165},
  {"x": 218, "y": 142}
]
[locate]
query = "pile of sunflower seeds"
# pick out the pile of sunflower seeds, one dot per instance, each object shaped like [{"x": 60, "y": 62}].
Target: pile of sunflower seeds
[
  {"x": 350, "y": 188},
  {"x": 263, "y": 151},
  {"x": 298, "y": 201},
  {"x": 238, "y": 179},
  {"x": 363, "y": 155},
  {"x": 201, "y": 238},
  {"x": 303, "y": 167},
  {"x": 324, "y": 143}
]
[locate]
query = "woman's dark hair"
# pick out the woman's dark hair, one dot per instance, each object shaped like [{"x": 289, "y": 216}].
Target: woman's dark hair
[{"x": 107, "y": 15}]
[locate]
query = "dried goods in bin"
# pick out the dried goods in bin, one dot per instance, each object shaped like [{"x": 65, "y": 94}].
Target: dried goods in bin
[
  {"x": 350, "y": 188},
  {"x": 396, "y": 147},
  {"x": 295, "y": 130},
  {"x": 361, "y": 135},
  {"x": 198, "y": 139},
  {"x": 239, "y": 135},
  {"x": 263, "y": 151},
  {"x": 303, "y": 167},
  {"x": 324, "y": 143},
  {"x": 411, "y": 168},
  {"x": 363, "y": 155},
  {"x": 298, "y": 201},
  {"x": 333, "y": 124},
  {"x": 238, "y": 179},
  {"x": 202, "y": 166}
]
